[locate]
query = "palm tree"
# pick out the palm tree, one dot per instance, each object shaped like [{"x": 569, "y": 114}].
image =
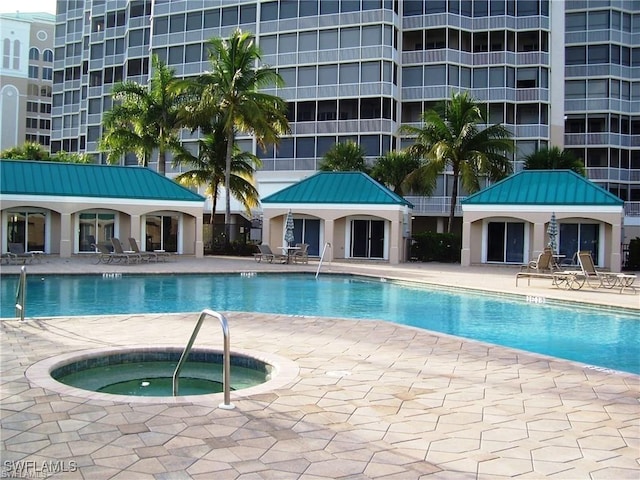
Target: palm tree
[
  {"x": 393, "y": 168},
  {"x": 143, "y": 118},
  {"x": 554, "y": 159},
  {"x": 209, "y": 170},
  {"x": 451, "y": 136},
  {"x": 344, "y": 157},
  {"x": 230, "y": 94}
]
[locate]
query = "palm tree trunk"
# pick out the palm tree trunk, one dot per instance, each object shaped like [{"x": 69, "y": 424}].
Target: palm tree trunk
[
  {"x": 227, "y": 186},
  {"x": 454, "y": 199},
  {"x": 161, "y": 162}
]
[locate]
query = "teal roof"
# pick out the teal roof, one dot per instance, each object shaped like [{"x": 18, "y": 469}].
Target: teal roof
[
  {"x": 337, "y": 188},
  {"x": 544, "y": 187},
  {"x": 26, "y": 177}
]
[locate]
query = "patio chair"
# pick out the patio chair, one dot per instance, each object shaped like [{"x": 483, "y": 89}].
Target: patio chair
[
  {"x": 596, "y": 278},
  {"x": 146, "y": 256},
  {"x": 544, "y": 263},
  {"x": 265, "y": 253},
  {"x": 301, "y": 255},
  {"x": 17, "y": 254},
  {"x": 129, "y": 256},
  {"x": 104, "y": 254}
]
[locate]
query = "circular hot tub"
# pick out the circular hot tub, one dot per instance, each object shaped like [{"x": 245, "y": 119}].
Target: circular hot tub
[{"x": 145, "y": 373}]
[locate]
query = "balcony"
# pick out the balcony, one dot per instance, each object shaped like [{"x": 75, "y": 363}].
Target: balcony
[{"x": 439, "y": 206}]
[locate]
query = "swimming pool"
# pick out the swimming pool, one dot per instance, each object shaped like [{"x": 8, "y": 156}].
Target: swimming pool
[{"x": 598, "y": 337}]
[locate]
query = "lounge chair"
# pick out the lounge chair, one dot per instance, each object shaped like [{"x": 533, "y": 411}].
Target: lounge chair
[
  {"x": 301, "y": 255},
  {"x": 104, "y": 254},
  {"x": 544, "y": 263},
  {"x": 265, "y": 253},
  {"x": 597, "y": 279},
  {"x": 17, "y": 254},
  {"x": 146, "y": 256},
  {"x": 129, "y": 256}
]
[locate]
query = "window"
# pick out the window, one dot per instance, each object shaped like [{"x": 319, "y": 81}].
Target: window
[
  {"x": 598, "y": 54},
  {"x": 480, "y": 78},
  {"x": 349, "y": 73},
  {"x": 47, "y": 56},
  {"x": 47, "y": 73},
  {"x": 177, "y": 23},
  {"x": 32, "y": 106},
  {"x": 435, "y": 75},
  {"x": 194, "y": 21},
  {"x": 349, "y": 37},
  {"x": 175, "y": 55},
  {"x": 370, "y": 72},
  {"x": 247, "y": 14},
  {"x": 229, "y": 16},
  {"x": 598, "y": 20},
  {"x": 496, "y": 77},
  {"x": 372, "y": 35},
  {"x": 576, "y": 56},
  {"x": 212, "y": 18},
  {"x": 575, "y": 89},
  {"x": 598, "y": 88},
  {"x": 288, "y": 9},
  {"x": 34, "y": 54},
  {"x": 327, "y": 75},
  {"x": 307, "y": 41},
  {"x": 527, "y": 77},
  {"x": 192, "y": 53},
  {"x": 34, "y": 71},
  {"x": 412, "y": 77},
  {"x": 287, "y": 43},
  {"x": 306, "y": 76},
  {"x": 328, "y": 39},
  {"x": 288, "y": 76},
  {"x": 269, "y": 11}
]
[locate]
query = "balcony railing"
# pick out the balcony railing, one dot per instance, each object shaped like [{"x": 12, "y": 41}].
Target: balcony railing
[{"x": 436, "y": 206}]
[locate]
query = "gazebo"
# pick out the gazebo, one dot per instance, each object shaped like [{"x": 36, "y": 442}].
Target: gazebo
[{"x": 508, "y": 222}]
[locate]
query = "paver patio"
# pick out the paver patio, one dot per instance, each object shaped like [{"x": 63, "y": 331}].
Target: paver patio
[{"x": 369, "y": 400}]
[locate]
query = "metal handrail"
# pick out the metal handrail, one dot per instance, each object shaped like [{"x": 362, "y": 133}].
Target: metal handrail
[
  {"x": 226, "y": 359},
  {"x": 322, "y": 257},
  {"x": 21, "y": 293}
]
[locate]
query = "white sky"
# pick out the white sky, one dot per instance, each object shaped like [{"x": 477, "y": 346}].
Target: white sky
[{"x": 11, "y": 6}]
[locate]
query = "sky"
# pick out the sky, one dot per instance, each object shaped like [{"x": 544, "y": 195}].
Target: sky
[{"x": 26, "y": 6}]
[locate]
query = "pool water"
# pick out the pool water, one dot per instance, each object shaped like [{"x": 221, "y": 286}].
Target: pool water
[
  {"x": 149, "y": 373},
  {"x": 599, "y": 337},
  {"x": 155, "y": 379}
]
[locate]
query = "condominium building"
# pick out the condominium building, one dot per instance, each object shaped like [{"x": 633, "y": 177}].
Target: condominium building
[
  {"x": 26, "y": 78},
  {"x": 564, "y": 73}
]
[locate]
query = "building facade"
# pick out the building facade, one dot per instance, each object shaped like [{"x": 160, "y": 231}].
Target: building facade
[
  {"x": 26, "y": 78},
  {"x": 563, "y": 73}
]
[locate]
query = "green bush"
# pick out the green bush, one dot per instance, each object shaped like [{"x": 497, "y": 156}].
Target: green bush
[
  {"x": 436, "y": 247},
  {"x": 633, "y": 260}
]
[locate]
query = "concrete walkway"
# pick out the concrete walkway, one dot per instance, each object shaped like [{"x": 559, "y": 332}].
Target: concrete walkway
[{"x": 356, "y": 399}]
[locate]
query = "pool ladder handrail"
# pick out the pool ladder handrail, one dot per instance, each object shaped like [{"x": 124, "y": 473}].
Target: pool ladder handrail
[
  {"x": 21, "y": 293},
  {"x": 226, "y": 359},
  {"x": 326, "y": 245}
]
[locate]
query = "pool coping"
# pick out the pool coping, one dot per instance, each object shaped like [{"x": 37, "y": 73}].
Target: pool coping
[{"x": 285, "y": 371}]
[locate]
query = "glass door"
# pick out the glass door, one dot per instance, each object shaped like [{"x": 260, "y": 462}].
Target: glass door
[
  {"x": 505, "y": 242},
  {"x": 367, "y": 238}
]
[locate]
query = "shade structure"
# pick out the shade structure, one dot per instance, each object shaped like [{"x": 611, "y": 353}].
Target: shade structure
[
  {"x": 288, "y": 232},
  {"x": 552, "y": 231}
]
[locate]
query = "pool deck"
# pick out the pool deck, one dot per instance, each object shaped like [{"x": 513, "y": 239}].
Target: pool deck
[{"x": 366, "y": 399}]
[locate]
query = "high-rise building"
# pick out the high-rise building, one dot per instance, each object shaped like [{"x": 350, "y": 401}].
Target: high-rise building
[
  {"x": 26, "y": 78},
  {"x": 564, "y": 73}
]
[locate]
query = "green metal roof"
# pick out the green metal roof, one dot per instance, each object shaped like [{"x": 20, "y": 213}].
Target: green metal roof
[
  {"x": 544, "y": 187},
  {"x": 337, "y": 188},
  {"x": 26, "y": 177}
]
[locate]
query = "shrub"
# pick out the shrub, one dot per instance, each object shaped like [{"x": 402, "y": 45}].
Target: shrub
[
  {"x": 633, "y": 260},
  {"x": 436, "y": 247}
]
